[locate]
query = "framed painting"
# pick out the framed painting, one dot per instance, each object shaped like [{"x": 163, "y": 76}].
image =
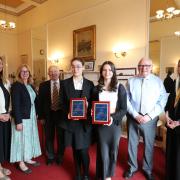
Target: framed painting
[
  {"x": 125, "y": 73},
  {"x": 84, "y": 43},
  {"x": 89, "y": 66}
]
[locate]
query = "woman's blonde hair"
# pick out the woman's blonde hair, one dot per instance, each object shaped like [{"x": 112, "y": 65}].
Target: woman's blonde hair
[
  {"x": 177, "y": 97},
  {"x": 3, "y": 73},
  {"x": 30, "y": 79}
]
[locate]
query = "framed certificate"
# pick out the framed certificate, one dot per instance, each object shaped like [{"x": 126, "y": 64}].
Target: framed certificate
[
  {"x": 78, "y": 108},
  {"x": 101, "y": 112}
]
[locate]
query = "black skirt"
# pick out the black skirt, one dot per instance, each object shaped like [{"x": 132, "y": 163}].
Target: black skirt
[
  {"x": 173, "y": 155},
  {"x": 5, "y": 140}
]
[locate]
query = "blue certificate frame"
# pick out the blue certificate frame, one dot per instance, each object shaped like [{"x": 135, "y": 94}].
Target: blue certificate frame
[
  {"x": 78, "y": 108},
  {"x": 100, "y": 112}
]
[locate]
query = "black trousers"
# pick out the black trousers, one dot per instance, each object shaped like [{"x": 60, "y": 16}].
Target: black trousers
[
  {"x": 81, "y": 160},
  {"x": 52, "y": 128}
]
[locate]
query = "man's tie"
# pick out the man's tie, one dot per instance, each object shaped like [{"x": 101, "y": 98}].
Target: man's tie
[
  {"x": 142, "y": 109},
  {"x": 55, "y": 97}
]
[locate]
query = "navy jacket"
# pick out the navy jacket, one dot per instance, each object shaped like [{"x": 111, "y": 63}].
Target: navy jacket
[{"x": 21, "y": 102}]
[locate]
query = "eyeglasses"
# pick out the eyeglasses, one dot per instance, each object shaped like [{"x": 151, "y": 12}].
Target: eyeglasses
[
  {"x": 146, "y": 66},
  {"x": 24, "y": 72},
  {"x": 76, "y": 67}
]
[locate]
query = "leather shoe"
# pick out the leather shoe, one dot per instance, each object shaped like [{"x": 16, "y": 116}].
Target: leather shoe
[
  {"x": 78, "y": 178},
  {"x": 59, "y": 161},
  {"x": 149, "y": 176},
  {"x": 85, "y": 178},
  {"x": 128, "y": 174},
  {"x": 35, "y": 164},
  {"x": 27, "y": 171},
  {"x": 49, "y": 161}
]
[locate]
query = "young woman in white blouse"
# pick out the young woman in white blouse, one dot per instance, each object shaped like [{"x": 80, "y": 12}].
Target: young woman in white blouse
[
  {"x": 108, "y": 136},
  {"x": 5, "y": 125}
]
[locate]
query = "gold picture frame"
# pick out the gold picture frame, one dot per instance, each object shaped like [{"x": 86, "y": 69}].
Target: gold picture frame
[{"x": 84, "y": 43}]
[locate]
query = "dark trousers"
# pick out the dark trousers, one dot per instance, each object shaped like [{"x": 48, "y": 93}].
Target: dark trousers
[
  {"x": 81, "y": 160},
  {"x": 52, "y": 129}
]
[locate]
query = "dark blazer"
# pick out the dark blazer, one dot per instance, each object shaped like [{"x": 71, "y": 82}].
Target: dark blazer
[
  {"x": 44, "y": 100},
  {"x": 121, "y": 106},
  {"x": 21, "y": 102},
  {"x": 67, "y": 92},
  {"x": 169, "y": 84},
  {"x": 174, "y": 112}
]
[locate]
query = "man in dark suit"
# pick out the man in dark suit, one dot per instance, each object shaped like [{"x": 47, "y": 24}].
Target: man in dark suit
[
  {"x": 50, "y": 115},
  {"x": 169, "y": 83}
]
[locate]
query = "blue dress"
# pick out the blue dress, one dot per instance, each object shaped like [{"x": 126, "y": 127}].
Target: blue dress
[{"x": 25, "y": 144}]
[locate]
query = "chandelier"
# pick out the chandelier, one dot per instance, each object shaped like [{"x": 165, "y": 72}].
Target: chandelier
[
  {"x": 7, "y": 25},
  {"x": 169, "y": 13},
  {"x": 4, "y": 24}
]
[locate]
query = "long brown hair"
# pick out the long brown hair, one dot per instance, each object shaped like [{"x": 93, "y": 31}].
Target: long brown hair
[
  {"x": 114, "y": 81},
  {"x": 30, "y": 80}
]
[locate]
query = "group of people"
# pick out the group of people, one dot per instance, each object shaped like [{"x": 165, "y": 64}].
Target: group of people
[{"x": 142, "y": 100}]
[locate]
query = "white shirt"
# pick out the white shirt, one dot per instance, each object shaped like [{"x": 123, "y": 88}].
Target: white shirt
[
  {"x": 78, "y": 84},
  {"x": 110, "y": 96},
  {"x": 154, "y": 97}
]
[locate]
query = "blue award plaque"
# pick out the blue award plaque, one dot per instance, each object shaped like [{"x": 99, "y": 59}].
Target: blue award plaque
[
  {"x": 77, "y": 108},
  {"x": 101, "y": 112}
]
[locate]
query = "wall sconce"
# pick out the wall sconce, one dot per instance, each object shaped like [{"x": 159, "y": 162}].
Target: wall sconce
[
  {"x": 177, "y": 33},
  {"x": 57, "y": 57},
  {"x": 57, "y": 60},
  {"x": 120, "y": 54}
]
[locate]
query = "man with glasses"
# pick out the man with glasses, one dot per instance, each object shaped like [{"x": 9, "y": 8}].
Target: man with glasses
[{"x": 146, "y": 98}]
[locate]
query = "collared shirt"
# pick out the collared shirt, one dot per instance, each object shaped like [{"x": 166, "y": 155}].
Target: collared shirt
[
  {"x": 154, "y": 96},
  {"x": 52, "y": 85},
  {"x": 78, "y": 84}
]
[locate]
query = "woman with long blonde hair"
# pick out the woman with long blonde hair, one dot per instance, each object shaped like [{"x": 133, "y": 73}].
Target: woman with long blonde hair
[
  {"x": 25, "y": 140},
  {"x": 173, "y": 134},
  {"x": 5, "y": 125}
]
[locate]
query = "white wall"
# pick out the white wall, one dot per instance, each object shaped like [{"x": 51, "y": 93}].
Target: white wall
[
  {"x": 9, "y": 49},
  {"x": 170, "y": 54}
]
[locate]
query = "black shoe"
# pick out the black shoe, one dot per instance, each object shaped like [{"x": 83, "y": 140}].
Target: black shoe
[
  {"x": 85, "y": 178},
  {"x": 27, "y": 171},
  {"x": 78, "y": 178},
  {"x": 129, "y": 174},
  {"x": 59, "y": 161},
  {"x": 35, "y": 164},
  {"x": 149, "y": 176},
  {"x": 49, "y": 161}
]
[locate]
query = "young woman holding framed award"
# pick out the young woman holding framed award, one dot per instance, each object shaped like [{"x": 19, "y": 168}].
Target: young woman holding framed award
[
  {"x": 108, "y": 135},
  {"x": 75, "y": 93}
]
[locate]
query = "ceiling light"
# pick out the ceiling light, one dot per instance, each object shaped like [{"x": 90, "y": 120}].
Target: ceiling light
[
  {"x": 169, "y": 13},
  {"x": 4, "y": 24}
]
